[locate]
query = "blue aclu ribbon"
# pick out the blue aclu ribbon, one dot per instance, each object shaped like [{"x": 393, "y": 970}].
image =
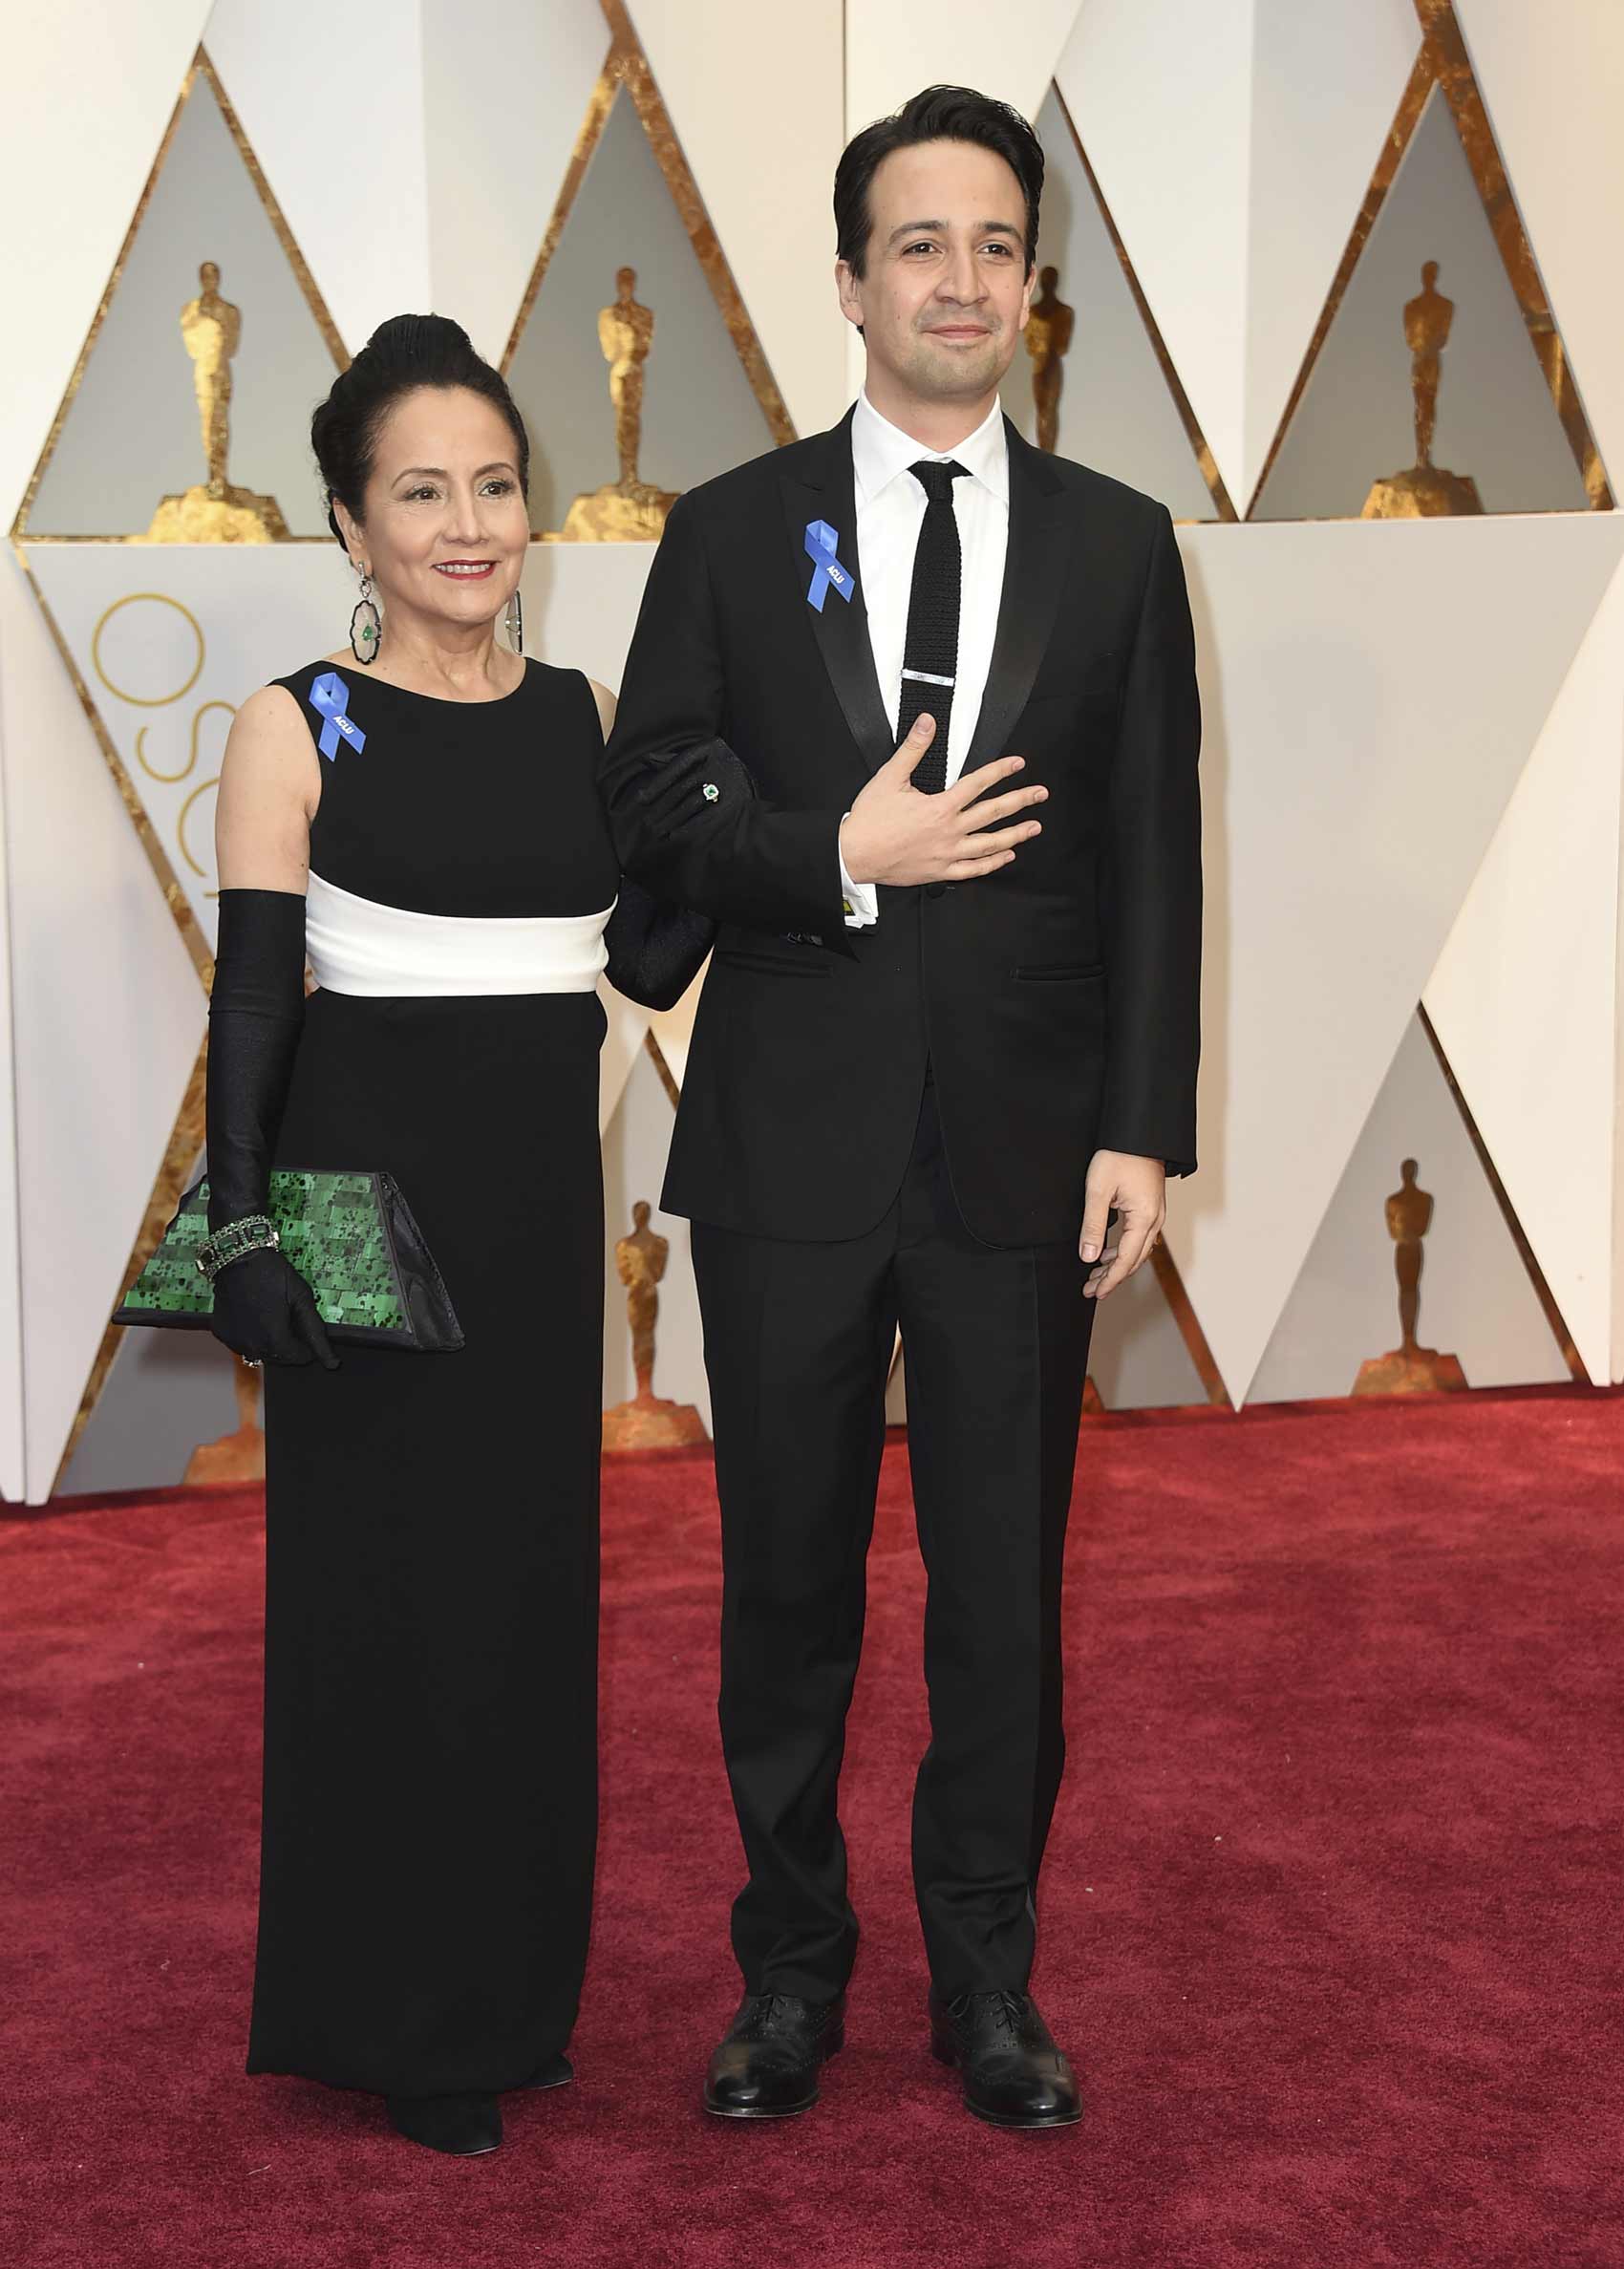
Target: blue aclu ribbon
[
  {"x": 820, "y": 542},
  {"x": 330, "y": 697}
]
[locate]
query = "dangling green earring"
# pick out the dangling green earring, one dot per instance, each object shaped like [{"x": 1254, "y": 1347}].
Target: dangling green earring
[{"x": 366, "y": 625}]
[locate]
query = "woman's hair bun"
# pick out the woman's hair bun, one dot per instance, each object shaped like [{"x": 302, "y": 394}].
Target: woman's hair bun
[{"x": 402, "y": 354}]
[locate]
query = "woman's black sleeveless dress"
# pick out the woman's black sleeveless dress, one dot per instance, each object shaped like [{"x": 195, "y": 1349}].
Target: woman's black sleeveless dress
[{"x": 432, "y": 1555}]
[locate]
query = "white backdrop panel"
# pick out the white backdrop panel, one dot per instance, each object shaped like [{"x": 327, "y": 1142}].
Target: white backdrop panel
[
  {"x": 1552, "y": 79},
  {"x": 1116, "y": 408},
  {"x": 765, "y": 169},
  {"x": 335, "y": 114},
  {"x": 504, "y": 90},
  {"x": 580, "y": 603},
  {"x": 1326, "y": 82},
  {"x": 1372, "y": 691},
  {"x": 895, "y": 47},
  {"x": 1161, "y": 94},
  {"x": 1524, "y": 996},
  {"x": 95, "y": 86},
  {"x": 167, "y": 610},
  {"x": 107, "y": 1013}
]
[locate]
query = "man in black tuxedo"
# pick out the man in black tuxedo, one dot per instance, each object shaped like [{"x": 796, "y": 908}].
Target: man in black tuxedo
[{"x": 951, "y": 1022}]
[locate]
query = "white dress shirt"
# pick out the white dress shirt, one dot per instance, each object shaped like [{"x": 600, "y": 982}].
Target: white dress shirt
[{"x": 891, "y": 511}]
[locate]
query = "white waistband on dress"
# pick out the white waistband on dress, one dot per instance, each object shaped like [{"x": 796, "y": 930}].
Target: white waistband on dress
[{"x": 357, "y": 944}]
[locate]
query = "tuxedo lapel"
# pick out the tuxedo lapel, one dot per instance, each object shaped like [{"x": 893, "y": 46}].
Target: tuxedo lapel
[
  {"x": 821, "y": 488},
  {"x": 1033, "y": 572}
]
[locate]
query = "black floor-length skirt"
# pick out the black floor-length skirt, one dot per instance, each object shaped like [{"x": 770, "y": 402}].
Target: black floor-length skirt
[{"x": 432, "y": 1561}]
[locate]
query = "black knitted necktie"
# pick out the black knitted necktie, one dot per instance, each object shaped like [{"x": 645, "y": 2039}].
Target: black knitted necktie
[{"x": 930, "y": 660}]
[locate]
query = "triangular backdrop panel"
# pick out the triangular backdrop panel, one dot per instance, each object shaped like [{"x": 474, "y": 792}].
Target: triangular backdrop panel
[
  {"x": 337, "y": 122},
  {"x": 132, "y": 432},
  {"x": 700, "y": 414},
  {"x": 895, "y": 50},
  {"x": 1325, "y": 84},
  {"x": 765, "y": 180},
  {"x": 169, "y": 641},
  {"x": 1116, "y": 409},
  {"x": 105, "y": 1029},
  {"x": 1496, "y": 420},
  {"x": 1477, "y": 1301},
  {"x": 500, "y": 142},
  {"x": 1550, "y": 79},
  {"x": 119, "y": 93},
  {"x": 1372, "y": 693},
  {"x": 1526, "y": 994},
  {"x": 1161, "y": 94},
  {"x": 475, "y": 147}
]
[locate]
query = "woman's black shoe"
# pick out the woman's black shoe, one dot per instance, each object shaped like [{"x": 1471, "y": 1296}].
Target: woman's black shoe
[
  {"x": 461, "y": 2126},
  {"x": 1013, "y": 2075},
  {"x": 767, "y": 2067},
  {"x": 553, "y": 2072}
]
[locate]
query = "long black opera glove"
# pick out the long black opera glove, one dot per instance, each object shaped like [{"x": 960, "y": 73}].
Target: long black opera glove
[
  {"x": 655, "y": 949},
  {"x": 263, "y": 1308},
  {"x": 654, "y": 952}
]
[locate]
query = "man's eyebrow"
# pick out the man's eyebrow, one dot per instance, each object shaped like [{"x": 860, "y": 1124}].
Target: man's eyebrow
[{"x": 940, "y": 229}]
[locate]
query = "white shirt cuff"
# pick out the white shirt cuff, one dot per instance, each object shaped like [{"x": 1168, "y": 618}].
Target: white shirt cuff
[{"x": 862, "y": 906}]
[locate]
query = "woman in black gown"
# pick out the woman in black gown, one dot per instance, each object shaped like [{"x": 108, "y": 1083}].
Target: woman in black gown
[{"x": 430, "y": 1768}]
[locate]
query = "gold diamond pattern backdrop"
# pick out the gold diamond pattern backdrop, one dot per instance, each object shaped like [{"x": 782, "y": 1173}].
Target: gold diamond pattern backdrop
[{"x": 1414, "y": 724}]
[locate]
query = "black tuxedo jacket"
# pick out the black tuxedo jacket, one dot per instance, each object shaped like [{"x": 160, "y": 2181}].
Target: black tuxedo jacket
[{"x": 1056, "y": 1000}]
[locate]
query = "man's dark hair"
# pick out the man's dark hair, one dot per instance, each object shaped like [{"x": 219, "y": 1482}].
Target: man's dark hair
[
  {"x": 937, "y": 114},
  {"x": 402, "y": 354}
]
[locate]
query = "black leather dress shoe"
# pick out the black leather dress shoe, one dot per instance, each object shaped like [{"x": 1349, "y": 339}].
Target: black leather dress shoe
[
  {"x": 553, "y": 2072},
  {"x": 1013, "y": 2073},
  {"x": 767, "y": 2067},
  {"x": 461, "y": 2126}
]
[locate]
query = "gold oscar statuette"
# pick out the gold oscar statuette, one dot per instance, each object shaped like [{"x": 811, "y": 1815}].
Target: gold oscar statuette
[
  {"x": 1409, "y": 1368},
  {"x": 646, "y": 1422},
  {"x": 627, "y": 510},
  {"x": 238, "y": 1456},
  {"x": 214, "y": 513},
  {"x": 1048, "y": 335},
  {"x": 1426, "y": 491}
]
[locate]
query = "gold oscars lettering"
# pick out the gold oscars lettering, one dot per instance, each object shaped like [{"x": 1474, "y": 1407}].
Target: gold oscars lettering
[
  {"x": 647, "y": 1421},
  {"x": 1048, "y": 335},
  {"x": 627, "y": 510},
  {"x": 215, "y": 512},
  {"x": 1426, "y": 491},
  {"x": 1409, "y": 1368},
  {"x": 190, "y": 830}
]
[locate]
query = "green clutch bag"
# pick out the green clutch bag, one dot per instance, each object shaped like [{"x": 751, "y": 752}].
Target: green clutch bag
[{"x": 351, "y": 1235}]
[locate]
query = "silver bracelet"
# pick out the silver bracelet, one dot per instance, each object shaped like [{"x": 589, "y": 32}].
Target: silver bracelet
[{"x": 255, "y": 1233}]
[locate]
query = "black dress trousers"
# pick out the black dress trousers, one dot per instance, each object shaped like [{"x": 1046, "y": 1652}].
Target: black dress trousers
[{"x": 797, "y": 1341}]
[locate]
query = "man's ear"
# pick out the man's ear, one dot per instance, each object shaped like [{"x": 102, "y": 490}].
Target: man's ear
[{"x": 845, "y": 284}]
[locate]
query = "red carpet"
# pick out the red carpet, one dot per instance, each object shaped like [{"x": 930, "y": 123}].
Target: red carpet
[{"x": 1331, "y": 1919}]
